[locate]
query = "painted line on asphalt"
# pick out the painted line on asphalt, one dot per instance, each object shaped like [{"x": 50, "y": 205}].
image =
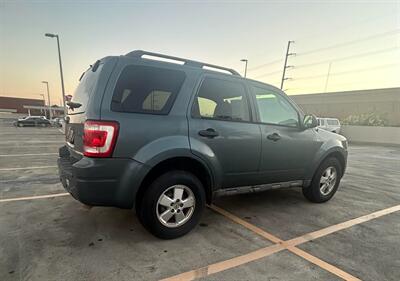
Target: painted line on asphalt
[
  {"x": 32, "y": 142},
  {"x": 33, "y": 197},
  {"x": 27, "y": 168},
  {"x": 34, "y": 146},
  {"x": 279, "y": 246},
  {"x": 226, "y": 264},
  {"x": 328, "y": 267},
  {"x": 29, "y": 154},
  {"x": 340, "y": 226}
]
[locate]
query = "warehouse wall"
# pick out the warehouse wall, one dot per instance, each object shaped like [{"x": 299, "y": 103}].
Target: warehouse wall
[{"x": 385, "y": 102}]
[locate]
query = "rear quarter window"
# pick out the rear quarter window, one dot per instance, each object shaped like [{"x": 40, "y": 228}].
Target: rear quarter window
[{"x": 144, "y": 89}]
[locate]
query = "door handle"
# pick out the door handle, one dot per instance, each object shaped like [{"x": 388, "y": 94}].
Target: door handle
[
  {"x": 209, "y": 133},
  {"x": 274, "y": 137}
]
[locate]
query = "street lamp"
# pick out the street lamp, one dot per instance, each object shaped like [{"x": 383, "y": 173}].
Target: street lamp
[
  {"x": 48, "y": 98},
  {"x": 245, "y": 68},
  {"x": 61, "y": 71}
]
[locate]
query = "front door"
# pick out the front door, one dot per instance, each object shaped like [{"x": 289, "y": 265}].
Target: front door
[
  {"x": 287, "y": 149},
  {"x": 221, "y": 131}
]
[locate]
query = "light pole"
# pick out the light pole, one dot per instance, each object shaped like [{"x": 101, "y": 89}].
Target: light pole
[
  {"x": 61, "y": 71},
  {"x": 245, "y": 67},
  {"x": 48, "y": 98},
  {"x": 44, "y": 102}
]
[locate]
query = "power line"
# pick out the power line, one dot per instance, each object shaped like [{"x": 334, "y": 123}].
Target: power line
[
  {"x": 268, "y": 74},
  {"x": 387, "y": 33},
  {"x": 265, "y": 64},
  {"x": 346, "y": 26},
  {"x": 348, "y": 57},
  {"x": 347, "y": 72}
]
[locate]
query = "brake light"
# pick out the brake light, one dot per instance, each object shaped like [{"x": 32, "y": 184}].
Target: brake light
[{"x": 99, "y": 138}]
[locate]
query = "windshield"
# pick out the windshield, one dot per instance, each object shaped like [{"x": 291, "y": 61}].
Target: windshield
[{"x": 85, "y": 89}]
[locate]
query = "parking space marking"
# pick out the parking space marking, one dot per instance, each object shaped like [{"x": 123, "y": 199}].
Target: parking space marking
[
  {"x": 27, "y": 168},
  {"x": 328, "y": 267},
  {"x": 227, "y": 264},
  {"x": 29, "y": 154},
  {"x": 247, "y": 225},
  {"x": 29, "y": 146},
  {"x": 340, "y": 226},
  {"x": 30, "y": 141},
  {"x": 279, "y": 246},
  {"x": 33, "y": 197}
]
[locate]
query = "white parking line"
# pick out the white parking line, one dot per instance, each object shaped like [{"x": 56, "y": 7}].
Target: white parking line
[
  {"x": 33, "y": 142},
  {"x": 33, "y": 197},
  {"x": 35, "y": 146},
  {"x": 29, "y": 154},
  {"x": 27, "y": 168}
]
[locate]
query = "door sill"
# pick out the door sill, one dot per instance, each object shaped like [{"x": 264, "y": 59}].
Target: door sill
[{"x": 257, "y": 188}]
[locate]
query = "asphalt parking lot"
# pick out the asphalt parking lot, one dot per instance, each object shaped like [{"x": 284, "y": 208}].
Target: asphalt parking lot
[{"x": 276, "y": 235}]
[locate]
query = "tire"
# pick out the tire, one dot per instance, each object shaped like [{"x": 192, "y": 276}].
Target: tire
[
  {"x": 317, "y": 192},
  {"x": 20, "y": 125},
  {"x": 153, "y": 205}
]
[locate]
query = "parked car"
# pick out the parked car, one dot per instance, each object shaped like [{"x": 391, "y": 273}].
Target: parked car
[
  {"x": 33, "y": 121},
  {"x": 57, "y": 122},
  {"x": 166, "y": 138},
  {"x": 329, "y": 124}
]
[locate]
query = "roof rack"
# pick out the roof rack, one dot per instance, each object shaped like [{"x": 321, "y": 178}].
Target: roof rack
[{"x": 140, "y": 54}]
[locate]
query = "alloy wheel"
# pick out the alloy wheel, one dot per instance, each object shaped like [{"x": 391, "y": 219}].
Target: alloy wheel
[{"x": 175, "y": 206}]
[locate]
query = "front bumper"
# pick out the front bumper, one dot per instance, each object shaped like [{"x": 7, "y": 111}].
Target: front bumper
[{"x": 101, "y": 181}]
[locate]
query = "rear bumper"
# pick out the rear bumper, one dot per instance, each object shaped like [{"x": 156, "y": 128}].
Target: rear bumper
[{"x": 101, "y": 181}]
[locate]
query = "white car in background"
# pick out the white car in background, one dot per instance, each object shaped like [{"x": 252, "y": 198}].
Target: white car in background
[{"x": 329, "y": 124}]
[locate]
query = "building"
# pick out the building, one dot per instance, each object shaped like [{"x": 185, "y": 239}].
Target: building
[
  {"x": 16, "y": 105},
  {"x": 383, "y": 102},
  {"x": 28, "y": 107}
]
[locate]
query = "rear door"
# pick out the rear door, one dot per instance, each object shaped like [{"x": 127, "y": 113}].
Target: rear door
[{"x": 221, "y": 130}]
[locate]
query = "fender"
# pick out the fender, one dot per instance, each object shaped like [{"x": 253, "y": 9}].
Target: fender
[
  {"x": 171, "y": 147},
  {"x": 325, "y": 150}
]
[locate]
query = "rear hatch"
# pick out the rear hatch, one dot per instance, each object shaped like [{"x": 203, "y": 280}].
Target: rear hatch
[{"x": 77, "y": 108}]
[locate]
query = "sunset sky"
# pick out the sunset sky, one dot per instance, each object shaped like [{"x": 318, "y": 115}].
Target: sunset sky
[{"x": 360, "y": 40}]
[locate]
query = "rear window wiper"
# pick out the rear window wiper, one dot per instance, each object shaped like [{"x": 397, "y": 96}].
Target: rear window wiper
[{"x": 73, "y": 105}]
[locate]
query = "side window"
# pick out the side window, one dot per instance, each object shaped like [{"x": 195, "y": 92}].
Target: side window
[
  {"x": 275, "y": 109},
  {"x": 333, "y": 122},
  {"x": 144, "y": 89},
  {"x": 222, "y": 100}
]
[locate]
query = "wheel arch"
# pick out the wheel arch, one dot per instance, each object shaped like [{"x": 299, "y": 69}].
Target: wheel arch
[
  {"x": 183, "y": 163},
  {"x": 335, "y": 153}
]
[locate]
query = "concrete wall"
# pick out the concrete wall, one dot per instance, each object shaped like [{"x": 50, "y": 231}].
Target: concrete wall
[
  {"x": 385, "y": 102},
  {"x": 369, "y": 134}
]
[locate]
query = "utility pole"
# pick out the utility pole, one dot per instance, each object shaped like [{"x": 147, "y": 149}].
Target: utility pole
[
  {"x": 327, "y": 77},
  {"x": 285, "y": 65},
  {"x": 245, "y": 67}
]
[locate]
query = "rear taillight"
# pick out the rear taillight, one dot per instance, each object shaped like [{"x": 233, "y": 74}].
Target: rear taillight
[{"x": 99, "y": 138}]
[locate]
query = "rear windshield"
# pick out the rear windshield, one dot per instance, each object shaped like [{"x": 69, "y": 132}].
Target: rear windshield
[
  {"x": 85, "y": 89},
  {"x": 144, "y": 89}
]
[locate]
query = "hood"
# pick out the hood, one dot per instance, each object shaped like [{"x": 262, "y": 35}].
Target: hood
[{"x": 324, "y": 134}]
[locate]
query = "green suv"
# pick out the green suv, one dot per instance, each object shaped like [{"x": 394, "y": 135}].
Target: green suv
[{"x": 166, "y": 135}]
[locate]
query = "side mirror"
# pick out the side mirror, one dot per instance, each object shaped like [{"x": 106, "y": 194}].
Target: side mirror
[{"x": 310, "y": 121}]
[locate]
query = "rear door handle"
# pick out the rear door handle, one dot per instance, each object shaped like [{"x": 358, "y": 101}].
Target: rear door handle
[
  {"x": 209, "y": 133},
  {"x": 274, "y": 137}
]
